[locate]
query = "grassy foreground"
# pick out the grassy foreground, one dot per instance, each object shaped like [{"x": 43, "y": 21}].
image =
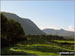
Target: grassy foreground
[{"x": 39, "y": 46}]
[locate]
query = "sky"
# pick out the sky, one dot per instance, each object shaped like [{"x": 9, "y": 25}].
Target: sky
[{"x": 45, "y": 14}]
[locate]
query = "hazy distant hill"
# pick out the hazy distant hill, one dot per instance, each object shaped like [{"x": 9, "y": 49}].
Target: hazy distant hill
[
  {"x": 60, "y": 32},
  {"x": 28, "y": 26}
]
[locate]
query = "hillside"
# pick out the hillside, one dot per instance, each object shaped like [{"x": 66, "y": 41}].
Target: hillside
[
  {"x": 29, "y": 27},
  {"x": 11, "y": 32},
  {"x": 40, "y": 45},
  {"x": 61, "y": 32}
]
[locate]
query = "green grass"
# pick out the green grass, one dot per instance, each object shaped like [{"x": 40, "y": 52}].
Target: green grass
[
  {"x": 63, "y": 41},
  {"x": 39, "y": 49},
  {"x": 39, "y": 46},
  {"x": 33, "y": 52}
]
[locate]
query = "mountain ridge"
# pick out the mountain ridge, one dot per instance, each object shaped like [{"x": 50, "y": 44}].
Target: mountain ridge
[
  {"x": 29, "y": 27},
  {"x": 57, "y": 32}
]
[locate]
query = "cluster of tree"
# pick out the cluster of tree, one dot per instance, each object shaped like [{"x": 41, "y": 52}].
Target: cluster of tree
[
  {"x": 50, "y": 37},
  {"x": 11, "y": 32},
  {"x": 42, "y": 39}
]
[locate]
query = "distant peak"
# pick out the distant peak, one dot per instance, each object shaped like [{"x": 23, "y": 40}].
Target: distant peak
[{"x": 62, "y": 29}]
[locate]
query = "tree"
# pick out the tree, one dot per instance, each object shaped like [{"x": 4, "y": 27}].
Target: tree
[{"x": 11, "y": 31}]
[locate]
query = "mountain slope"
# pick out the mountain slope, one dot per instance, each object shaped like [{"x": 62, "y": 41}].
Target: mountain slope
[
  {"x": 60, "y": 32},
  {"x": 28, "y": 26},
  {"x": 11, "y": 32}
]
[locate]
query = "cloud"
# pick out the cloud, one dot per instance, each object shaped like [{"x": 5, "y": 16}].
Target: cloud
[
  {"x": 51, "y": 27},
  {"x": 71, "y": 28},
  {"x": 54, "y": 27}
]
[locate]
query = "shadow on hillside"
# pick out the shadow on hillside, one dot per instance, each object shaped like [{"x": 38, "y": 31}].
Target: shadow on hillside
[{"x": 7, "y": 51}]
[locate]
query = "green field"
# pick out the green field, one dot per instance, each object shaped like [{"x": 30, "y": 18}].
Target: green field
[
  {"x": 39, "y": 46},
  {"x": 63, "y": 41}
]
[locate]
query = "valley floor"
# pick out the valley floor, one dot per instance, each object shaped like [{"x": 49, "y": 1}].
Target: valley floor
[{"x": 39, "y": 47}]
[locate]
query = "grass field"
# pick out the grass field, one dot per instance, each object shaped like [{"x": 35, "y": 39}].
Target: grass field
[
  {"x": 63, "y": 41},
  {"x": 39, "y": 46}
]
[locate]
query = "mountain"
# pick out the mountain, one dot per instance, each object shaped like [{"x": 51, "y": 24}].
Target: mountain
[
  {"x": 60, "y": 32},
  {"x": 29, "y": 27},
  {"x": 11, "y": 32}
]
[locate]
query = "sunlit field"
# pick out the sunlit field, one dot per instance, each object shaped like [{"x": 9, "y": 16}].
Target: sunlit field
[{"x": 40, "y": 46}]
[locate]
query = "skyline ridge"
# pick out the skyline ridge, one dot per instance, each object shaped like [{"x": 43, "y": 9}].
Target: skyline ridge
[{"x": 35, "y": 23}]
